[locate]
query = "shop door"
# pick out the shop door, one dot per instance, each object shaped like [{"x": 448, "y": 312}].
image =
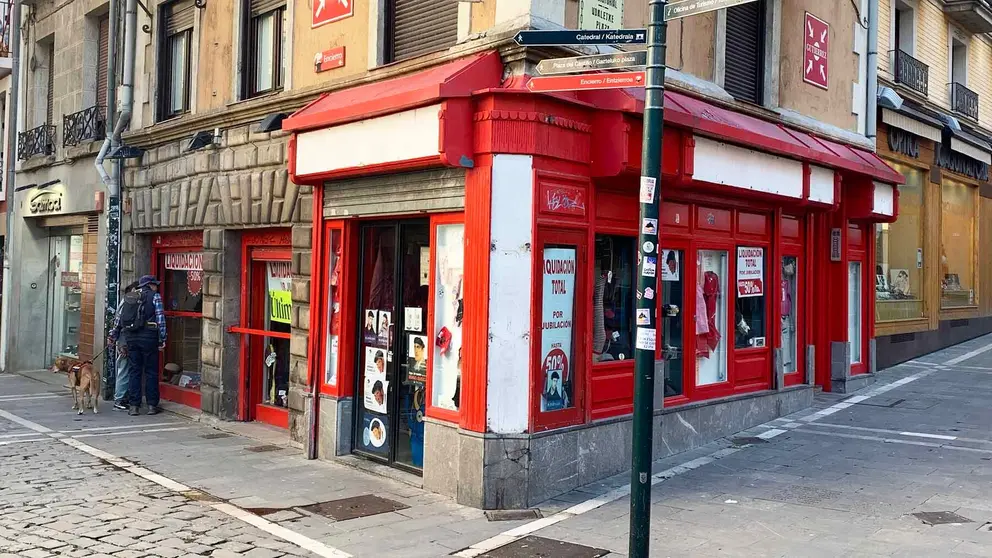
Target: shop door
[
  {"x": 268, "y": 335},
  {"x": 792, "y": 317},
  {"x": 65, "y": 294},
  {"x": 392, "y": 344}
]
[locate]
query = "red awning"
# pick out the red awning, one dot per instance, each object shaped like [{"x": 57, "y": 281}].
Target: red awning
[
  {"x": 724, "y": 124},
  {"x": 454, "y": 79}
]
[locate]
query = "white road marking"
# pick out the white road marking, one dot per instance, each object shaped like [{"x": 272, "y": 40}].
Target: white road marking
[
  {"x": 23, "y": 441},
  {"x": 968, "y": 355},
  {"x": 21, "y": 435},
  {"x": 902, "y": 433},
  {"x": 302, "y": 541},
  {"x": 925, "y": 435},
  {"x": 125, "y": 432},
  {"x": 125, "y": 427},
  {"x": 29, "y": 397},
  {"x": 769, "y": 434},
  {"x": 896, "y": 441}
]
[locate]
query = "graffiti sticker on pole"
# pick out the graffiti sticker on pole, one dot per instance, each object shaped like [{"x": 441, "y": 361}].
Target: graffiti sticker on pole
[{"x": 750, "y": 272}]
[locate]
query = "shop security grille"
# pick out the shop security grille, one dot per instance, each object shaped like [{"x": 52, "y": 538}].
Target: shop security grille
[
  {"x": 396, "y": 194},
  {"x": 82, "y": 126},
  {"x": 36, "y": 141}
]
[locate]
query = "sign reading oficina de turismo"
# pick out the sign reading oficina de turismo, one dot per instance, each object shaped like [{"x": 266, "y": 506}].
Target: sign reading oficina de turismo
[
  {"x": 686, "y": 8},
  {"x": 556, "y": 328},
  {"x": 327, "y": 11},
  {"x": 750, "y": 272}
]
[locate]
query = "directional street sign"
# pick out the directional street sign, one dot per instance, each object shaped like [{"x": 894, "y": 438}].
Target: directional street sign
[
  {"x": 685, "y": 8},
  {"x": 582, "y": 37},
  {"x": 614, "y": 61},
  {"x": 616, "y": 80}
]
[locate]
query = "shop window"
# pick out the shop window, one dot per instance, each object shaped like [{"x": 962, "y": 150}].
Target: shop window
[
  {"x": 957, "y": 245},
  {"x": 790, "y": 309},
  {"x": 557, "y": 328},
  {"x": 613, "y": 299},
  {"x": 749, "y": 309},
  {"x": 711, "y": 317},
  {"x": 182, "y": 288},
  {"x": 331, "y": 350},
  {"x": 899, "y": 254},
  {"x": 448, "y": 311},
  {"x": 67, "y": 295},
  {"x": 672, "y": 320},
  {"x": 278, "y": 317},
  {"x": 854, "y": 310}
]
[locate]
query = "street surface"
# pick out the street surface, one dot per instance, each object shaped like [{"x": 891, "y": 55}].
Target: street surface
[{"x": 842, "y": 479}]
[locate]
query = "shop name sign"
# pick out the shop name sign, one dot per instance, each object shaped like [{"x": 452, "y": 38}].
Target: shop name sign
[
  {"x": 750, "y": 272},
  {"x": 686, "y": 8},
  {"x": 184, "y": 262},
  {"x": 46, "y": 200}
]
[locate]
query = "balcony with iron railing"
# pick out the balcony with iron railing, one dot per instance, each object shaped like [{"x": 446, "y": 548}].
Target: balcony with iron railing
[
  {"x": 36, "y": 141},
  {"x": 5, "y": 60},
  {"x": 911, "y": 73},
  {"x": 84, "y": 126},
  {"x": 964, "y": 101}
]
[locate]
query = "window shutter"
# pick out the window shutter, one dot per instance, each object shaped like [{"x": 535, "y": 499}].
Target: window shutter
[
  {"x": 178, "y": 16},
  {"x": 744, "y": 56},
  {"x": 422, "y": 26},
  {"x": 259, "y": 7},
  {"x": 50, "y": 114},
  {"x": 101, "y": 64}
]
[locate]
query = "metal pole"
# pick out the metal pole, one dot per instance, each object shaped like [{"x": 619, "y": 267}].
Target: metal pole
[
  {"x": 113, "y": 42},
  {"x": 8, "y": 190},
  {"x": 648, "y": 247}
]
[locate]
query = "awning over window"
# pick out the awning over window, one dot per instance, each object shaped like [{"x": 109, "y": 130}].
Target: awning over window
[
  {"x": 913, "y": 121},
  {"x": 969, "y": 145}
]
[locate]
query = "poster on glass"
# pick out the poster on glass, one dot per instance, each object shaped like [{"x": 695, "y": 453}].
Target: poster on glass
[
  {"x": 417, "y": 361},
  {"x": 376, "y": 385},
  {"x": 556, "y": 328}
]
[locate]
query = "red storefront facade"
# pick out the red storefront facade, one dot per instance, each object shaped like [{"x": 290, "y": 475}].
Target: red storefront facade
[{"x": 472, "y": 290}]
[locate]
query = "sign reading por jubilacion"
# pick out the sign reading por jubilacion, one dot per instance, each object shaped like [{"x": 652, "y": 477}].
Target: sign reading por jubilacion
[
  {"x": 557, "y": 306},
  {"x": 750, "y": 272}
]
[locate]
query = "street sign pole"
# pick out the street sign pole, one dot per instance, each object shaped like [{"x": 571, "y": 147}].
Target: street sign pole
[{"x": 649, "y": 249}]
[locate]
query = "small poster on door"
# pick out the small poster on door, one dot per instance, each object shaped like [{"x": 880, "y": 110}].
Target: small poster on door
[
  {"x": 670, "y": 266},
  {"x": 385, "y": 324},
  {"x": 417, "y": 360},
  {"x": 375, "y": 434},
  {"x": 650, "y": 266},
  {"x": 376, "y": 385},
  {"x": 413, "y": 319},
  {"x": 370, "y": 332},
  {"x": 425, "y": 266}
]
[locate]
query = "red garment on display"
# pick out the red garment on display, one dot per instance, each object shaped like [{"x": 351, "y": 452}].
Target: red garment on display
[{"x": 710, "y": 340}]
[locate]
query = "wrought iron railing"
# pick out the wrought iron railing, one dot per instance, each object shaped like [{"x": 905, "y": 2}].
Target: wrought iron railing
[
  {"x": 36, "y": 141},
  {"x": 5, "y": 8},
  {"x": 85, "y": 125},
  {"x": 964, "y": 101},
  {"x": 912, "y": 73}
]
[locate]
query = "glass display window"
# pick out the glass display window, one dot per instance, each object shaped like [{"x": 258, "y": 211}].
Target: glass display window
[
  {"x": 854, "y": 305},
  {"x": 749, "y": 305},
  {"x": 182, "y": 296},
  {"x": 449, "y": 279},
  {"x": 711, "y": 317},
  {"x": 278, "y": 317},
  {"x": 672, "y": 320},
  {"x": 899, "y": 254},
  {"x": 66, "y": 261},
  {"x": 790, "y": 313},
  {"x": 957, "y": 245},
  {"x": 334, "y": 285},
  {"x": 613, "y": 299}
]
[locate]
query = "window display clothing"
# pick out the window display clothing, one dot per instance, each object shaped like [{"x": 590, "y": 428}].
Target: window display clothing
[{"x": 707, "y": 333}]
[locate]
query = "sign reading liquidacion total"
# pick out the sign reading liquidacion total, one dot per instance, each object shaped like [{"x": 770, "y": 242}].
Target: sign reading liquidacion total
[
  {"x": 750, "y": 272},
  {"x": 557, "y": 310}
]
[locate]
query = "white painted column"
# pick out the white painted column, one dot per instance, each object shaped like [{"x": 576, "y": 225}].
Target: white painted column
[
  {"x": 542, "y": 13},
  {"x": 510, "y": 272}
]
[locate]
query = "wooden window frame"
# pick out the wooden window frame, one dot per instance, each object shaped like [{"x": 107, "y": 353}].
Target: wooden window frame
[
  {"x": 249, "y": 45},
  {"x": 166, "y": 77}
]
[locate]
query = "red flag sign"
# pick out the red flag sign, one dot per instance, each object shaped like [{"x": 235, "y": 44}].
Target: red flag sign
[
  {"x": 816, "y": 50},
  {"x": 327, "y": 11}
]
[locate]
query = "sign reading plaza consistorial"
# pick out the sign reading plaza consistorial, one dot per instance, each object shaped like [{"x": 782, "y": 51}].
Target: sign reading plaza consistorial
[
  {"x": 686, "y": 8},
  {"x": 46, "y": 200}
]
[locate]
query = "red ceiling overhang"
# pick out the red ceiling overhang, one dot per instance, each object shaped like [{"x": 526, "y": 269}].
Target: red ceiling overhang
[{"x": 459, "y": 78}]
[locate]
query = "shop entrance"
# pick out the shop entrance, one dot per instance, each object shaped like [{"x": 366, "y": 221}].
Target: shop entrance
[
  {"x": 391, "y": 365},
  {"x": 65, "y": 294},
  {"x": 268, "y": 334}
]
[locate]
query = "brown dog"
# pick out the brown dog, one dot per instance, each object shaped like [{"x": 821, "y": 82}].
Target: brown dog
[{"x": 84, "y": 382}]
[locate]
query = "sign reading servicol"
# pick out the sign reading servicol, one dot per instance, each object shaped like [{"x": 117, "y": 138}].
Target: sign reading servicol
[
  {"x": 750, "y": 272},
  {"x": 816, "y": 43},
  {"x": 46, "y": 200}
]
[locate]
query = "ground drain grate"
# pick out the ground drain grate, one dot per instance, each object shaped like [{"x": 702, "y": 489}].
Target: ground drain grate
[
  {"x": 353, "y": 508},
  {"x": 744, "y": 441},
  {"x": 513, "y": 515},
  {"x": 886, "y": 402},
  {"x": 263, "y": 449},
  {"x": 216, "y": 436},
  {"x": 941, "y": 518},
  {"x": 540, "y": 547}
]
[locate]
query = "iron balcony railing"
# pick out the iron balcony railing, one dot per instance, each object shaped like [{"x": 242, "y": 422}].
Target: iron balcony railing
[
  {"x": 964, "y": 101},
  {"x": 36, "y": 141},
  {"x": 912, "y": 73},
  {"x": 82, "y": 126}
]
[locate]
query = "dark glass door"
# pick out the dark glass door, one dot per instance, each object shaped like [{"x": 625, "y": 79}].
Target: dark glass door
[{"x": 393, "y": 343}]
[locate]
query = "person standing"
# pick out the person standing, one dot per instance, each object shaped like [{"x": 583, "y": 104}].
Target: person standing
[
  {"x": 123, "y": 368},
  {"x": 142, "y": 318}
]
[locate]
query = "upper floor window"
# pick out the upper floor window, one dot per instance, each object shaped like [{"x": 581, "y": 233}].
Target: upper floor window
[
  {"x": 744, "y": 59},
  {"x": 904, "y": 27},
  {"x": 416, "y": 27},
  {"x": 959, "y": 61},
  {"x": 264, "y": 46},
  {"x": 103, "y": 42},
  {"x": 50, "y": 86},
  {"x": 175, "y": 53}
]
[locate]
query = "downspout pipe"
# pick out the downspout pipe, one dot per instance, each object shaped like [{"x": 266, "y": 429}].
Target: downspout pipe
[
  {"x": 871, "y": 101},
  {"x": 123, "y": 120},
  {"x": 11, "y": 155}
]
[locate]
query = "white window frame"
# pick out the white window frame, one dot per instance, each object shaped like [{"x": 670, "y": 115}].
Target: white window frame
[
  {"x": 910, "y": 6},
  {"x": 955, "y": 35}
]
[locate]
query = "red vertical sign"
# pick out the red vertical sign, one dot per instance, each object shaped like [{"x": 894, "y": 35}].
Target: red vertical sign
[
  {"x": 326, "y": 11},
  {"x": 816, "y": 49}
]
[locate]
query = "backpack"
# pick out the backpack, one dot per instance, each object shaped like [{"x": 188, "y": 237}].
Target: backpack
[{"x": 136, "y": 311}]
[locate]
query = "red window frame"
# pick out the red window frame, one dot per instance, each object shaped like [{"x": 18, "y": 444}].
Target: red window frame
[
  {"x": 432, "y": 411},
  {"x": 176, "y": 243},
  {"x": 858, "y": 253},
  {"x": 321, "y": 275},
  {"x": 579, "y": 238}
]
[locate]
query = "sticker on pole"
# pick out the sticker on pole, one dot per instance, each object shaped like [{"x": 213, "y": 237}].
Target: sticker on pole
[
  {"x": 750, "y": 272},
  {"x": 643, "y": 317},
  {"x": 645, "y": 339},
  {"x": 648, "y": 185}
]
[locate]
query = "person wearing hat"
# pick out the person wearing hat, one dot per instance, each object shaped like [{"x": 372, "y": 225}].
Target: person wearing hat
[
  {"x": 142, "y": 317},
  {"x": 122, "y": 379}
]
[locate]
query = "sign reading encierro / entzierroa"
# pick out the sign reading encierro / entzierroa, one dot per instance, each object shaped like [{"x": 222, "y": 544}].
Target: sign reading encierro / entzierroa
[{"x": 685, "y": 8}]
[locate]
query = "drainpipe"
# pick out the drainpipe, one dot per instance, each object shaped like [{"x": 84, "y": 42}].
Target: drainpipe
[
  {"x": 871, "y": 101},
  {"x": 11, "y": 155},
  {"x": 113, "y": 179}
]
